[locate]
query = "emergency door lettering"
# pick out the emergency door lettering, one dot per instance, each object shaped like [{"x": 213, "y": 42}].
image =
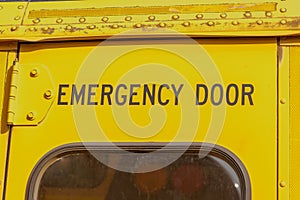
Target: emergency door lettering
[{"x": 153, "y": 94}]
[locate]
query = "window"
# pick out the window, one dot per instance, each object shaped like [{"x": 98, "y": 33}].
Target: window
[{"x": 74, "y": 173}]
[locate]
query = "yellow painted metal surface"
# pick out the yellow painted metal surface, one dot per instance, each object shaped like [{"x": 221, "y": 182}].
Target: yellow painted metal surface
[
  {"x": 294, "y": 123},
  {"x": 92, "y": 18},
  {"x": 283, "y": 123},
  {"x": 29, "y": 108},
  {"x": 250, "y": 129}
]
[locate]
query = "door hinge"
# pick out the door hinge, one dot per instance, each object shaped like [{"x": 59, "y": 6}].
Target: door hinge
[{"x": 31, "y": 94}]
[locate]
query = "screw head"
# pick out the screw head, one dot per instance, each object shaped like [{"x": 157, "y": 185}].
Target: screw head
[
  {"x": 34, "y": 73},
  {"x": 151, "y": 18},
  {"x": 13, "y": 28},
  {"x": 36, "y": 21},
  {"x": 175, "y": 17},
  {"x": 128, "y": 18},
  {"x": 283, "y": 22},
  {"x": 17, "y": 18},
  {"x": 282, "y": 184},
  {"x": 20, "y": 7},
  {"x": 186, "y": 24},
  {"x": 248, "y": 14},
  {"x": 32, "y": 29},
  {"x": 91, "y": 27},
  {"x": 138, "y": 26},
  {"x": 30, "y": 116},
  {"x": 223, "y": 15},
  {"x": 45, "y": 28},
  {"x": 161, "y": 24},
  {"x": 59, "y": 20},
  {"x": 268, "y": 14},
  {"x": 69, "y": 27},
  {"x": 104, "y": 19},
  {"x": 259, "y": 22},
  {"x": 282, "y": 101},
  {"x": 114, "y": 26},
  {"x": 82, "y": 20},
  {"x": 235, "y": 23},
  {"x": 48, "y": 94},
  {"x": 210, "y": 23},
  {"x": 283, "y": 10},
  {"x": 199, "y": 16}
]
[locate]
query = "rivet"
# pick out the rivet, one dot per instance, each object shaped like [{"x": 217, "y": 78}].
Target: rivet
[
  {"x": 282, "y": 101},
  {"x": 268, "y": 14},
  {"x": 17, "y": 18},
  {"x": 45, "y": 28},
  {"x": 210, "y": 23},
  {"x": 128, "y": 18},
  {"x": 48, "y": 94},
  {"x": 283, "y": 22},
  {"x": 30, "y": 116},
  {"x": 69, "y": 27},
  {"x": 82, "y": 20},
  {"x": 34, "y": 73},
  {"x": 283, "y": 10},
  {"x": 20, "y": 7},
  {"x": 223, "y": 15},
  {"x": 32, "y": 29},
  {"x": 59, "y": 20},
  {"x": 186, "y": 24},
  {"x": 235, "y": 23},
  {"x": 115, "y": 26},
  {"x": 104, "y": 19},
  {"x": 199, "y": 16},
  {"x": 259, "y": 22},
  {"x": 247, "y": 14},
  {"x": 152, "y": 18},
  {"x": 91, "y": 27},
  {"x": 161, "y": 24},
  {"x": 282, "y": 184},
  {"x": 37, "y": 20},
  {"x": 13, "y": 28},
  {"x": 175, "y": 17},
  {"x": 138, "y": 26}
]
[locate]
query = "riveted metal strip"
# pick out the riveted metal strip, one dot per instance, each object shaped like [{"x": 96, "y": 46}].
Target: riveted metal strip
[{"x": 176, "y": 9}]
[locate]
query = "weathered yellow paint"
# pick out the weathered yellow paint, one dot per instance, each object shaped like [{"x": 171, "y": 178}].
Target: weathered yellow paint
[
  {"x": 283, "y": 123},
  {"x": 239, "y": 134},
  {"x": 294, "y": 123},
  {"x": 61, "y": 19}
]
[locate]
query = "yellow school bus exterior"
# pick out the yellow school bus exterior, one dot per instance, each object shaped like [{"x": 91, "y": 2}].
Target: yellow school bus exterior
[{"x": 150, "y": 100}]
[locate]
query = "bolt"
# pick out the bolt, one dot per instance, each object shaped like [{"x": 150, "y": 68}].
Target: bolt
[
  {"x": 82, "y": 20},
  {"x": 20, "y": 7},
  {"x": 186, "y": 24},
  {"x": 45, "y": 28},
  {"x": 59, "y": 20},
  {"x": 223, "y": 15},
  {"x": 30, "y": 116},
  {"x": 268, "y": 14},
  {"x": 175, "y": 17},
  {"x": 282, "y": 184},
  {"x": 283, "y": 22},
  {"x": 283, "y": 10},
  {"x": 235, "y": 23},
  {"x": 161, "y": 24},
  {"x": 247, "y": 14},
  {"x": 34, "y": 73},
  {"x": 91, "y": 27},
  {"x": 199, "y": 16},
  {"x": 105, "y": 19},
  {"x": 282, "y": 101},
  {"x": 128, "y": 18},
  {"x": 259, "y": 22},
  {"x": 210, "y": 23},
  {"x": 114, "y": 26},
  {"x": 37, "y": 20},
  {"x": 138, "y": 25},
  {"x": 48, "y": 94},
  {"x": 152, "y": 18},
  {"x": 32, "y": 29},
  {"x": 13, "y": 28},
  {"x": 69, "y": 27}
]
